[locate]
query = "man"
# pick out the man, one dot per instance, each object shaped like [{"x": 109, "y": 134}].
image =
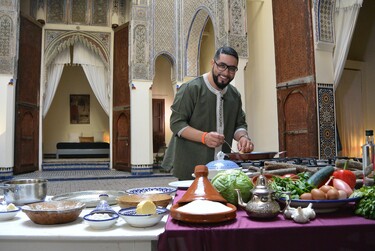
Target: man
[{"x": 206, "y": 112}]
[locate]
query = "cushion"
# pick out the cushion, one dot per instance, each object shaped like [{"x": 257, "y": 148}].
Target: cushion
[
  {"x": 86, "y": 139},
  {"x": 74, "y": 136}
]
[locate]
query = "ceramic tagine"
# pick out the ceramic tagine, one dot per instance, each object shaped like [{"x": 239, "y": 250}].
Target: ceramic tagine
[{"x": 262, "y": 203}]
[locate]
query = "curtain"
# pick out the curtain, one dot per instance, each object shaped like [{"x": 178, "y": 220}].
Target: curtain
[
  {"x": 346, "y": 14},
  {"x": 96, "y": 73},
  {"x": 54, "y": 72}
]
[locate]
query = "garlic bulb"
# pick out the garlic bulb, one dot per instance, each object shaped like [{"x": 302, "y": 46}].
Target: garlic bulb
[
  {"x": 309, "y": 212},
  {"x": 289, "y": 211},
  {"x": 299, "y": 216}
]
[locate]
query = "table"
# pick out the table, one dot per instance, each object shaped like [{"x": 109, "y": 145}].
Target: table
[
  {"x": 341, "y": 230},
  {"x": 22, "y": 234}
]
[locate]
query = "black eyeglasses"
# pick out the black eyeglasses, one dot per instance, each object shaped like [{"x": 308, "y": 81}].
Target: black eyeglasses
[{"x": 223, "y": 67}]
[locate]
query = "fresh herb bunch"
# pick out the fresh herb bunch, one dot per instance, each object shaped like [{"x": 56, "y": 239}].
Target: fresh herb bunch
[
  {"x": 295, "y": 187},
  {"x": 366, "y": 205}
]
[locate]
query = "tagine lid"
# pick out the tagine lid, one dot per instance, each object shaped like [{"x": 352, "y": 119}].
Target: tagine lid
[{"x": 201, "y": 188}]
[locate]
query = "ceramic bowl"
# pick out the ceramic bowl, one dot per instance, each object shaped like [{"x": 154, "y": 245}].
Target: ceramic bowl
[
  {"x": 53, "y": 212},
  {"x": 142, "y": 220},
  {"x": 100, "y": 220},
  {"x": 151, "y": 190},
  {"x": 10, "y": 214},
  {"x": 132, "y": 200}
]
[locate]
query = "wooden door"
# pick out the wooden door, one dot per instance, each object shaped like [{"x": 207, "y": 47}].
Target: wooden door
[
  {"x": 27, "y": 97},
  {"x": 121, "y": 101},
  {"x": 158, "y": 124}
]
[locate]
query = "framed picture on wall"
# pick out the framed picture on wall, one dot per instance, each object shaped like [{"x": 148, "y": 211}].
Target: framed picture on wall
[{"x": 79, "y": 109}]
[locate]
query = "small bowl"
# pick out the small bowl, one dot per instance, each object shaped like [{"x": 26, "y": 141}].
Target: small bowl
[
  {"x": 132, "y": 200},
  {"x": 142, "y": 220},
  {"x": 100, "y": 223},
  {"x": 53, "y": 212},
  {"x": 151, "y": 190},
  {"x": 8, "y": 215}
]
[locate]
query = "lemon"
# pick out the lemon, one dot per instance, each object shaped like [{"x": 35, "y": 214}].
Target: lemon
[
  {"x": 146, "y": 207},
  {"x": 11, "y": 207}
]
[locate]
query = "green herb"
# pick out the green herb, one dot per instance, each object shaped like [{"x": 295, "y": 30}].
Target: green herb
[
  {"x": 295, "y": 187},
  {"x": 366, "y": 205}
]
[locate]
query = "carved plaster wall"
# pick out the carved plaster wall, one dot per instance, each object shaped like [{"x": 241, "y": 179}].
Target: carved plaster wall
[{"x": 9, "y": 33}]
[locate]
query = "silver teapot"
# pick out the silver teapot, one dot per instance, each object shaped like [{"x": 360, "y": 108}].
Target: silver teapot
[{"x": 262, "y": 203}]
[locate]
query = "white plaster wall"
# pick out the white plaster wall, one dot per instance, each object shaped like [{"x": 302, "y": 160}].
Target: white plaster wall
[
  {"x": 260, "y": 77},
  {"x": 7, "y": 93}
]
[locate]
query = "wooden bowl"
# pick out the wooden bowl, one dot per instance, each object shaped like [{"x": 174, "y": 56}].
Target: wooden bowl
[
  {"x": 53, "y": 212},
  {"x": 132, "y": 200}
]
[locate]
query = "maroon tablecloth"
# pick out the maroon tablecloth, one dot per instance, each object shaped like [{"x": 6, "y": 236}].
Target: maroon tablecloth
[{"x": 341, "y": 230}]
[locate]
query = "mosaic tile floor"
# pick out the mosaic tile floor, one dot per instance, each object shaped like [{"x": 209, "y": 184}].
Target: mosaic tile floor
[{"x": 61, "y": 182}]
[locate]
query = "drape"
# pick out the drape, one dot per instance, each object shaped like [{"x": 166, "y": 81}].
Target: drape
[
  {"x": 54, "y": 74},
  {"x": 96, "y": 73},
  {"x": 346, "y": 14}
]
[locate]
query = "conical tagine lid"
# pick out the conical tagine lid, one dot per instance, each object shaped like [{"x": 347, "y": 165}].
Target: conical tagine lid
[{"x": 201, "y": 188}]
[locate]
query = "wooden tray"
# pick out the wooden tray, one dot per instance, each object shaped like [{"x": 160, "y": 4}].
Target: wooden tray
[{"x": 203, "y": 218}]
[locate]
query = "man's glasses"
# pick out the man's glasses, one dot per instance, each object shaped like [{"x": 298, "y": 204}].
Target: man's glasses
[{"x": 223, "y": 67}]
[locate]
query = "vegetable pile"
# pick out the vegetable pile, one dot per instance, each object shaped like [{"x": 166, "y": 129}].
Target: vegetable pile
[
  {"x": 294, "y": 186},
  {"x": 366, "y": 205}
]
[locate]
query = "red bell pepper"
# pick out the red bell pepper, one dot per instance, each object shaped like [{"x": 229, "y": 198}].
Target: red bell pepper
[{"x": 346, "y": 175}]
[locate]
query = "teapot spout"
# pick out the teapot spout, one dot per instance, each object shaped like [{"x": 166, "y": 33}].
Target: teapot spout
[{"x": 240, "y": 201}]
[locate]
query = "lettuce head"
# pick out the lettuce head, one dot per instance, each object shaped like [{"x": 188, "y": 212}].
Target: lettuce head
[{"x": 227, "y": 181}]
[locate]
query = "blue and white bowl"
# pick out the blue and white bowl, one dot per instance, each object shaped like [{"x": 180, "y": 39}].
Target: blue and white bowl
[
  {"x": 151, "y": 190},
  {"x": 10, "y": 214},
  {"x": 142, "y": 220},
  {"x": 100, "y": 220}
]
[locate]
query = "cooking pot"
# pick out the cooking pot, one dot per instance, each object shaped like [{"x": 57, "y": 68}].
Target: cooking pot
[
  {"x": 24, "y": 191},
  {"x": 252, "y": 156}
]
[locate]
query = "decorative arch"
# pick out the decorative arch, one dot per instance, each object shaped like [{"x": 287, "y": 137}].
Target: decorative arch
[
  {"x": 171, "y": 59},
  {"x": 193, "y": 41},
  {"x": 70, "y": 38}
]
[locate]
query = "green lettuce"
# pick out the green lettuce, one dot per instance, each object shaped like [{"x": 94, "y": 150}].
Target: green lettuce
[{"x": 227, "y": 181}]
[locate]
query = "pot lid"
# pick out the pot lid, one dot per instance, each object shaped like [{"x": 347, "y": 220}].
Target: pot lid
[{"x": 221, "y": 163}]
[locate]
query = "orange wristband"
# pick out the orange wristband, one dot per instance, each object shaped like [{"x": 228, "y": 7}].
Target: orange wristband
[{"x": 203, "y": 138}]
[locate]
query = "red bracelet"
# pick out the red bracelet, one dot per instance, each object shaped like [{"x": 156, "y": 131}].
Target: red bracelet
[{"x": 203, "y": 138}]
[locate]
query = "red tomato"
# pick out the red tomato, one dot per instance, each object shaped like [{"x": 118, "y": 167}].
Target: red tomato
[{"x": 347, "y": 176}]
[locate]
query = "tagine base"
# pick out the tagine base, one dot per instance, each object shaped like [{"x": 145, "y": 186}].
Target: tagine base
[{"x": 203, "y": 218}]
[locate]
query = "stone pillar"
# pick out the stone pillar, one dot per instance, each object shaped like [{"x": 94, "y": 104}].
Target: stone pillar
[
  {"x": 9, "y": 30},
  {"x": 239, "y": 80},
  {"x": 141, "y": 127}
]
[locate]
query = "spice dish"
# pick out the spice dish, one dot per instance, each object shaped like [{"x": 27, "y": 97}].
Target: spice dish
[
  {"x": 9, "y": 214},
  {"x": 100, "y": 221}
]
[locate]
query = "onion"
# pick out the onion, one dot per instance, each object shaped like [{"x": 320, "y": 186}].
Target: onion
[{"x": 342, "y": 185}]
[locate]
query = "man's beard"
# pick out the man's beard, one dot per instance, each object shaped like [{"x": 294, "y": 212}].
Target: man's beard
[{"x": 221, "y": 86}]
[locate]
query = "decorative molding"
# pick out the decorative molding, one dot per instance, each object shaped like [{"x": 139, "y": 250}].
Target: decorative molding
[{"x": 324, "y": 24}]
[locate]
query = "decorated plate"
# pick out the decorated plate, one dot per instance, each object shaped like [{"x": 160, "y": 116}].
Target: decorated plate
[
  {"x": 321, "y": 206},
  {"x": 151, "y": 190}
]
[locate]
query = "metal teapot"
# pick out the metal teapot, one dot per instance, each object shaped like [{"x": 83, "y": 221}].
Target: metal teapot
[{"x": 262, "y": 203}]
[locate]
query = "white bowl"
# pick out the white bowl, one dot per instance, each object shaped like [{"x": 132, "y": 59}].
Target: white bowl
[
  {"x": 142, "y": 220},
  {"x": 8, "y": 215},
  {"x": 100, "y": 222},
  {"x": 151, "y": 190}
]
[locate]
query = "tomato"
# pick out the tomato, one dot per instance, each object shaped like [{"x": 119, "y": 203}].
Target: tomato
[{"x": 347, "y": 176}]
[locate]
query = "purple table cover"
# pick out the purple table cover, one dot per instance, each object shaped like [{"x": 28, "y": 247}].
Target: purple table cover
[{"x": 341, "y": 230}]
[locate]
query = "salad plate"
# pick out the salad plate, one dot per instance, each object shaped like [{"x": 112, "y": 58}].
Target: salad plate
[
  {"x": 320, "y": 206},
  {"x": 182, "y": 184}
]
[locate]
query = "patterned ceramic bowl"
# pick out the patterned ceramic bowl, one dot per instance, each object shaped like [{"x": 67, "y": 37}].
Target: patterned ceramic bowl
[
  {"x": 151, "y": 190},
  {"x": 142, "y": 220}
]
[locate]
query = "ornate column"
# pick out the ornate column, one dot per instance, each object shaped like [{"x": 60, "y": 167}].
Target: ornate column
[{"x": 9, "y": 32}]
